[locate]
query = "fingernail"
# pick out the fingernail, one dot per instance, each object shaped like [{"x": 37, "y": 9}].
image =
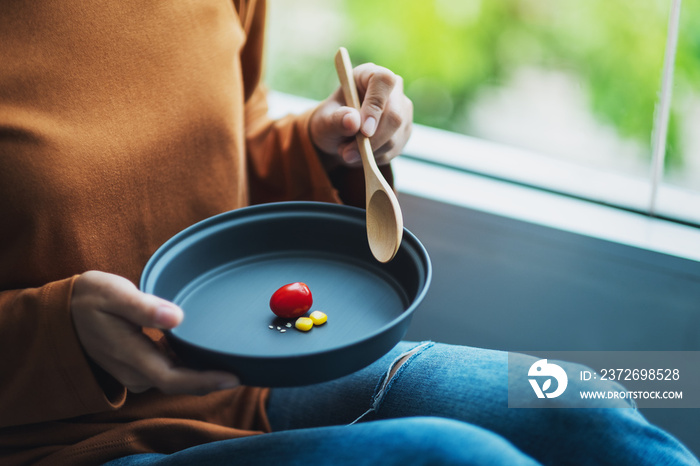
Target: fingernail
[
  {"x": 351, "y": 156},
  {"x": 229, "y": 383},
  {"x": 168, "y": 315},
  {"x": 369, "y": 126}
]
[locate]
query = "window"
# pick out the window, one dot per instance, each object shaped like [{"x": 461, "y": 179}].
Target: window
[{"x": 561, "y": 96}]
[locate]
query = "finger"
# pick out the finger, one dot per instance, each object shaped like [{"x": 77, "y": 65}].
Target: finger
[
  {"x": 187, "y": 381},
  {"x": 388, "y": 131},
  {"x": 343, "y": 125},
  {"x": 397, "y": 113},
  {"x": 378, "y": 84},
  {"x": 162, "y": 374},
  {"x": 350, "y": 153},
  {"x": 138, "y": 364},
  {"x": 385, "y": 154},
  {"x": 393, "y": 147}
]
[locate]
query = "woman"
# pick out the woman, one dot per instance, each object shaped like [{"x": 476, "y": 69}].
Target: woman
[{"x": 121, "y": 123}]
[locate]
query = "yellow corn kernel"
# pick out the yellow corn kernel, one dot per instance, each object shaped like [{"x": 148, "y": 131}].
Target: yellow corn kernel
[
  {"x": 318, "y": 317},
  {"x": 304, "y": 324}
]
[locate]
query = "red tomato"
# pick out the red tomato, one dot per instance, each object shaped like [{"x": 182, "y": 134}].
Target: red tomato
[{"x": 291, "y": 301}]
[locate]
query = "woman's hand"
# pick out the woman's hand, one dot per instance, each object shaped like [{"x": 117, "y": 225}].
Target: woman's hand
[
  {"x": 108, "y": 313},
  {"x": 386, "y": 117}
]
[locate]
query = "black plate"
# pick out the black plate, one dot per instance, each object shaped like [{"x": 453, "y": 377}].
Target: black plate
[{"x": 222, "y": 272}]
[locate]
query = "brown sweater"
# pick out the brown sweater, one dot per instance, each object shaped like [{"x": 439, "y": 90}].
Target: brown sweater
[{"x": 121, "y": 123}]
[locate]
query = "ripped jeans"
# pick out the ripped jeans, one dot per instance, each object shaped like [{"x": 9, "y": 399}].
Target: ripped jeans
[{"x": 431, "y": 403}]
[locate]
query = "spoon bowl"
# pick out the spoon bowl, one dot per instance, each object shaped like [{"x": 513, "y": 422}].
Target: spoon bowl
[{"x": 382, "y": 234}]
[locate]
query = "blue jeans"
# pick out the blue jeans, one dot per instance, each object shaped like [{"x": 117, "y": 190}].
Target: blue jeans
[{"x": 439, "y": 404}]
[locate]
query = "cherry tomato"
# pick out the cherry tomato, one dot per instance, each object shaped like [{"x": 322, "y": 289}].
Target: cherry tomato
[{"x": 291, "y": 301}]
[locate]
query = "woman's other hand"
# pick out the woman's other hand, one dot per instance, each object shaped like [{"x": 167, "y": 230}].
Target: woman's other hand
[
  {"x": 386, "y": 117},
  {"x": 108, "y": 314}
]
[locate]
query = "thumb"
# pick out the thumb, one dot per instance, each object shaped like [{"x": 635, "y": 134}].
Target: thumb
[
  {"x": 147, "y": 310},
  {"x": 123, "y": 299},
  {"x": 333, "y": 125},
  {"x": 345, "y": 121}
]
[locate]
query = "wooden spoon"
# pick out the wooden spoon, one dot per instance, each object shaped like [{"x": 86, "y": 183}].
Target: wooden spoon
[{"x": 384, "y": 220}]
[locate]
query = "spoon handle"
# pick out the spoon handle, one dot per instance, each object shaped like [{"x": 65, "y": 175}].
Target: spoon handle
[
  {"x": 347, "y": 81},
  {"x": 352, "y": 99}
]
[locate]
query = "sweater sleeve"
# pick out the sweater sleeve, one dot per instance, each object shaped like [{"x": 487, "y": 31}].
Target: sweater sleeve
[
  {"x": 44, "y": 373},
  {"x": 283, "y": 163}
]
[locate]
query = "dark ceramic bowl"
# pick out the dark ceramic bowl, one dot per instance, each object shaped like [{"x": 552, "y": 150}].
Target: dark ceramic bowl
[{"x": 222, "y": 272}]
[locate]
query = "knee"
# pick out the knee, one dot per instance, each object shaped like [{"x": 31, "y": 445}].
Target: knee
[
  {"x": 544, "y": 383},
  {"x": 570, "y": 409},
  {"x": 610, "y": 421},
  {"x": 427, "y": 432},
  {"x": 436, "y": 440},
  {"x": 616, "y": 394}
]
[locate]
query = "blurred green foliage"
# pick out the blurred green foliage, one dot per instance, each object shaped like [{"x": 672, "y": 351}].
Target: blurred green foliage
[{"x": 447, "y": 50}]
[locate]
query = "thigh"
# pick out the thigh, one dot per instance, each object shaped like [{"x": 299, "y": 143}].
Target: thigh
[
  {"x": 337, "y": 402},
  {"x": 471, "y": 385},
  {"x": 414, "y": 441}
]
